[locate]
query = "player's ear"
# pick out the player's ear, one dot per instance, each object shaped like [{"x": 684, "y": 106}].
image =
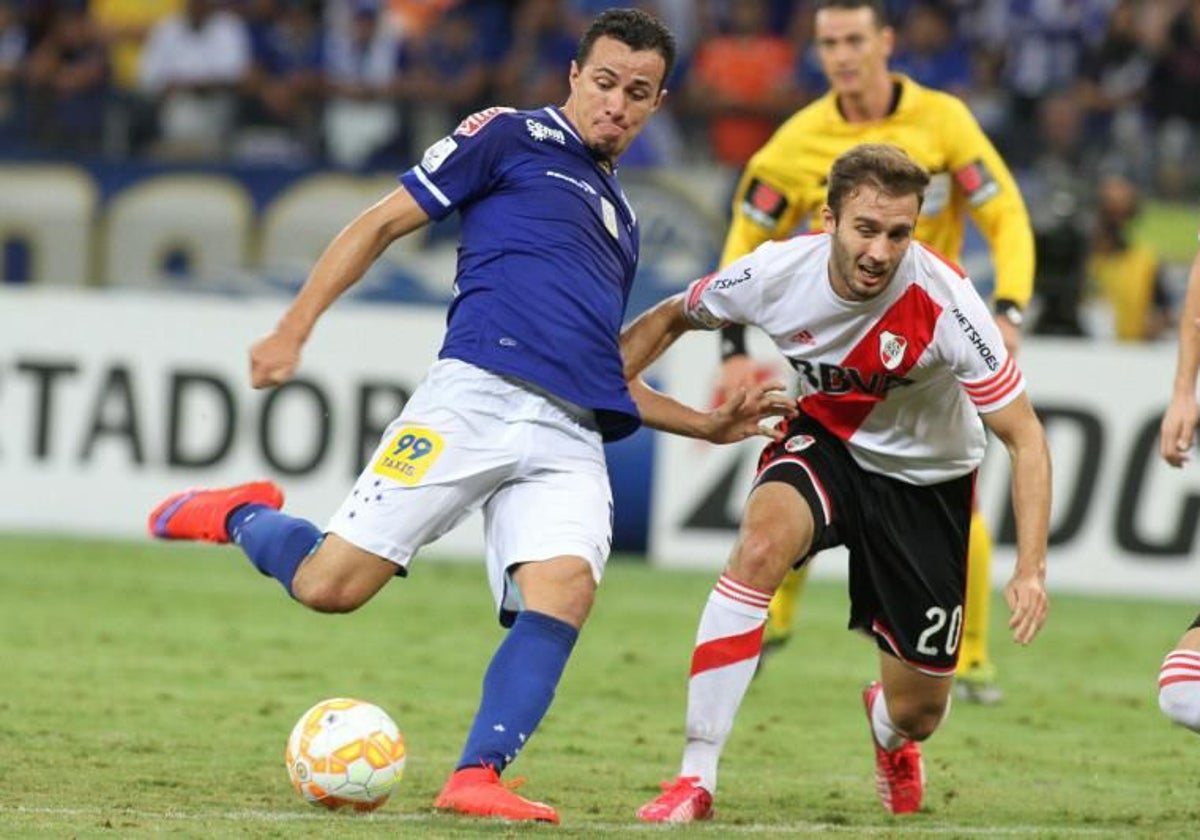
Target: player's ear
[
  {"x": 828, "y": 220},
  {"x": 888, "y": 36}
]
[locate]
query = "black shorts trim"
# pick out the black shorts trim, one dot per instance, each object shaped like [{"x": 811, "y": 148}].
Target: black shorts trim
[
  {"x": 887, "y": 643},
  {"x": 820, "y": 496}
]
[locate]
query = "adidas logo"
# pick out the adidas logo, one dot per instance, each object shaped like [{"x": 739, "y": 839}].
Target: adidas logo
[{"x": 804, "y": 337}]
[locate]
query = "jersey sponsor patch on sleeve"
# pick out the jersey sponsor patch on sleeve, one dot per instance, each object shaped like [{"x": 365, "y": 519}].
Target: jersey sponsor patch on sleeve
[
  {"x": 763, "y": 203},
  {"x": 436, "y": 154},
  {"x": 470, "y": 126},
  {"x": 977, "y": 182}
]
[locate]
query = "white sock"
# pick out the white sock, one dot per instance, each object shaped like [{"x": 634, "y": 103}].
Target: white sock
[
  {"x": 728, "y": 645},
  {"x": 886, "y": 734},
  {"x": 1179, "y": 688}
]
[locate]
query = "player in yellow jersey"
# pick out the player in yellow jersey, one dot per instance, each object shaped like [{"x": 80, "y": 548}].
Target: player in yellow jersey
[{"x": 782, "y": 191}]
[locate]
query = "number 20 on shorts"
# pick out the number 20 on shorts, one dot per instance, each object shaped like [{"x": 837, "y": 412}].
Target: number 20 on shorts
[{"x": 409, "y": 454}]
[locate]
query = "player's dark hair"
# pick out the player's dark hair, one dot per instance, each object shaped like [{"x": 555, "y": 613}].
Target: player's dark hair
[
  {"x": 878, "y": 165},
  {"x": 876, "y": 6},
  {"x": 635, "y": 29}
]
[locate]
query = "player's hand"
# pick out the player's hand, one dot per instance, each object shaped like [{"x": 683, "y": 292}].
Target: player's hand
[
  {"x": 738, "y": 372},
  {"x": 274, "y": 359},
  {"x": 1028, "y": 605},
  {"x": 1178, "y": 430},
  {"x": 1010, "y": 333},
  {"x": 742, "y": 414}
]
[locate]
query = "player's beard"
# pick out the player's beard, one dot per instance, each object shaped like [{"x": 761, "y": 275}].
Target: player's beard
[{"x": 603, "y": 153}]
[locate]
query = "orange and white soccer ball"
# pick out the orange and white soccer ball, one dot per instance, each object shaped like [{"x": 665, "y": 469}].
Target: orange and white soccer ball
[{"x": 345, "y": 753}]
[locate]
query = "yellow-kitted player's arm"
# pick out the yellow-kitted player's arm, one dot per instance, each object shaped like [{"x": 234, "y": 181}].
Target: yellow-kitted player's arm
[
  {"x": 765, "y": 207},
  {"x": 995, "y": 204}
]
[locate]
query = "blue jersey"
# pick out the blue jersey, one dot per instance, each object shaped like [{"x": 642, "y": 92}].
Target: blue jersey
[{"x": 546, "y": 261}]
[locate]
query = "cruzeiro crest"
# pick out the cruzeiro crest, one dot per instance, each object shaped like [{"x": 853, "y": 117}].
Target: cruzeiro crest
[{"x": 891, "y": 349}]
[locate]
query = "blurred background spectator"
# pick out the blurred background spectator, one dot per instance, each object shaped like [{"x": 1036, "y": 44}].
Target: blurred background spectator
[
  {"x": 931, "y": 51},
  {"x": 1175, "y": 100},
  {"x": 1113, "y": 83},
  {"x": 279, "y": 114},
  {"x": 445, "y": 76},
  {"x": 192, "y": 68},
  {"x": 1058, "y": 189},
  {"x": 1128, "y": 297},
  {"x": 68, "y": 79},
  {"x": 362, "y": 72},
  {"x": 544, "y": 40},
  {"x": 12, "y": 56},
  {"x": 742, "y": 82}
]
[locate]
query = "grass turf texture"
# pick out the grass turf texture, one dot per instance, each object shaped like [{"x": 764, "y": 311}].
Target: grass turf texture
[{"x": 149, "y": 689}]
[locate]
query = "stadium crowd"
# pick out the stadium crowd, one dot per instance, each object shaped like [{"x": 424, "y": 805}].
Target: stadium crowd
[{"x": 1092, "y": 102}]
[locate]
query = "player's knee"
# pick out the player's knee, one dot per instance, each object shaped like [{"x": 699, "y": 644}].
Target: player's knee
[
  {"x": 325, "y": 594},
  {"x": 917, "y": 718},
  {"x": 563, "y": 589},
  {"x": 574, "y": 601},
  {"x": 1180, "y": 702},
  {"x": 761, "y": 560}
]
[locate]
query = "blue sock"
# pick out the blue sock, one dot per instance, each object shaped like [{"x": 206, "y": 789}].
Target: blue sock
[
  {"x": 517, "y": 689},
  {"x": 275, "y": 542}
]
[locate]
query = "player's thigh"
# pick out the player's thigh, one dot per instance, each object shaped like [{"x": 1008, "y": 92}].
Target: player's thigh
[
  {"x": 908, "y": 570},
  {"x": 558, "y": 507},
  {"x": 823, "y": 503},
  {"x": 777, "y": 529},
  {"x": 435, "y": 464}
]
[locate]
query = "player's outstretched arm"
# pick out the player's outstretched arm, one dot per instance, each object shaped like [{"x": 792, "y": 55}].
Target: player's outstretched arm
[
  {"x": 1021, "y": 432},
  {"x": 275, "y": 357},
  {"x": 651, "y": 333},
  {"x": 1179, "y": 423},
  {"x": 738, "y": 418}
]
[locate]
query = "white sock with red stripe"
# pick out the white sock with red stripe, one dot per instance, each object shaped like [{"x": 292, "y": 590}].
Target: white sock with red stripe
[
  {"x": 1179, "y": 688},
  {"x": 728, "y": 645}
]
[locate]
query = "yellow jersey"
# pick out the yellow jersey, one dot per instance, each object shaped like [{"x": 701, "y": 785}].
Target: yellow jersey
[
  {"x": 1128, "y": 281},
  {"x": 782, "y": 189}
]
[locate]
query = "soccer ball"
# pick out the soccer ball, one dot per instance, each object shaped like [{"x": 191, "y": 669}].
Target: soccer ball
[{"x": 345, "y": 753}]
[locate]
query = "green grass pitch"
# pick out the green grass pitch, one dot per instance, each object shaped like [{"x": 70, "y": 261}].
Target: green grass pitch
[{"x": 149, "y": 689}]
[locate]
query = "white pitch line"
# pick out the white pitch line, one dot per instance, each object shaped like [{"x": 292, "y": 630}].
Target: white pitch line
[{"x": 890, "y": 829}]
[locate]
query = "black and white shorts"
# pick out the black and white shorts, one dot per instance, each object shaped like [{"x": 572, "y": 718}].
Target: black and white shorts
[{"x": 907, "y": 543}]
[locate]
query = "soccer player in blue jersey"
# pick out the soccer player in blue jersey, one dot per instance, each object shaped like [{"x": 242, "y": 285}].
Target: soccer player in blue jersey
[{"x": 512, "y": 416}]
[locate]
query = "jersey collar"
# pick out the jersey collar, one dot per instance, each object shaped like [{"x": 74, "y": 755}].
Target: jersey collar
[
  {"x": 559, "y": 117},
  {"x": 901, "y": 86}
]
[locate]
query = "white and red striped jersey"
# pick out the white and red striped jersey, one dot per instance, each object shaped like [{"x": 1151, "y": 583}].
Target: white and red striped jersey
[{"x": 901, "y": 378}]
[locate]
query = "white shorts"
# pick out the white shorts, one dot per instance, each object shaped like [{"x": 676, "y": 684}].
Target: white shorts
[{"x": 468, "y": 439}]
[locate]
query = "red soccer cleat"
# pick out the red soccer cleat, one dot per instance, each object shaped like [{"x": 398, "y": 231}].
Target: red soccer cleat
[
  {"x": 681, "y": 801},
  {"x": 478, "y": 792},
  {"x": 900, "y": 773},
  {"x": 201, "y": 514}
]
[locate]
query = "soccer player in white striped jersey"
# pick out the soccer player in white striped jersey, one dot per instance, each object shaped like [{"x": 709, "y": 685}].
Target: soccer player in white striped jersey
[
  {"x": 901, "y": 368},
  {"x": 1179, "y": 677}
]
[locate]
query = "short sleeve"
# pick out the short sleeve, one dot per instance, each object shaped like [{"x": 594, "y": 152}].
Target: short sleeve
[
  {"x": 975, "y": 350},
  {"x": 730, "y": 295},
  {"x": 461, "y": 166}
]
